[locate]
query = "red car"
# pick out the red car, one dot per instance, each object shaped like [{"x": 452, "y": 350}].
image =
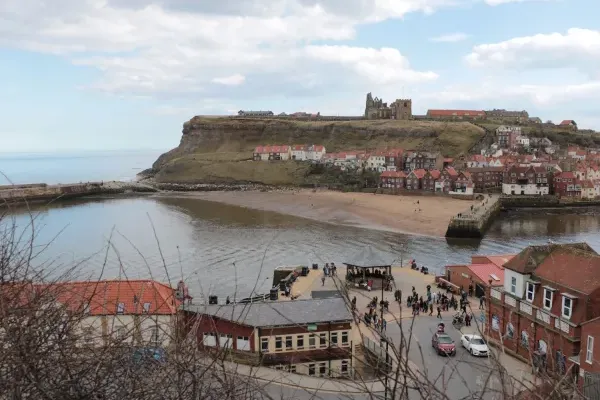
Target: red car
[{"x": 443, "y": 344}]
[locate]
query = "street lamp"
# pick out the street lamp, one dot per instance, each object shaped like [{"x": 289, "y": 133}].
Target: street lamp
[{"x": 387, "y": 363}]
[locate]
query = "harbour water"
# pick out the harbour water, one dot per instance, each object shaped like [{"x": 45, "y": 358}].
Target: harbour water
[{"x": 221, "y": 249}]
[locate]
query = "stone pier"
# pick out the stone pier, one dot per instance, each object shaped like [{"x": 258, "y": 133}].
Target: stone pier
[{"x": 473, "y": 222}]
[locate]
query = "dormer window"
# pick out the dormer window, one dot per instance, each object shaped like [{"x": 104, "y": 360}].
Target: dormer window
[
  {"x": 121, "y": 308},
  {"x": 530, "y": 292},
  {"x": 567, "y": 305},
  {"x": 146, "y": 308},
  {"x": 548, "y": 297}
]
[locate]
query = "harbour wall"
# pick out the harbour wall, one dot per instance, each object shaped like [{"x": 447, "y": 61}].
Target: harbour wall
[
  {"x": 18, "y": 194},
  {"x": 473, "y": 223}
]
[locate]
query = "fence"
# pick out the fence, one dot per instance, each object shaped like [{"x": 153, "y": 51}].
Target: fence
[{"x": 384, "y": 360}]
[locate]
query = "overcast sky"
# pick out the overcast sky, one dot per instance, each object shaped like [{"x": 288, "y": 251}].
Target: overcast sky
[{"x": 125, "y": 74}]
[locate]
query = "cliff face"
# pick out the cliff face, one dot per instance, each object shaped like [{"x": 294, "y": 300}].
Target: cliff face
[{"x": 208, "y": 141}]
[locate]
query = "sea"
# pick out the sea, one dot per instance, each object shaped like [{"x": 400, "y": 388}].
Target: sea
[{"x": 221, "y": 249}]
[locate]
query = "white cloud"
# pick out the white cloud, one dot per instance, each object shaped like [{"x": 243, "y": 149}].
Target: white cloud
[
  {"x": 232, "y": 80},
  {"x": 578, "y": 48},
  {"x": 381, "y": 66},
  {"x": 179, "y": 48},
  {"x": 450, "y": 37}
]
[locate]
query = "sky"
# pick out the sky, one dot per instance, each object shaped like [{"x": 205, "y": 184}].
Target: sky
[{"x": 126, "y": 74}]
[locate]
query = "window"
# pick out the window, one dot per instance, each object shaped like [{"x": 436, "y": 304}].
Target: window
[
  {"x": 513, "y": 285},
  {"x": 225, "y": 341},
  {"x": 154, "y": 334},
  {"x": 120, "y": 308},
  {"x": 525, "y": 339},
  {"x": 264, "y": 344},
  {"x": 334, "y": 338},
  {"x": 311, "y": 369},
  {"x": 278, "y": 343},
  {"x": 344, "y": 368},
  {"x": 323, "y": 340},
  {"x": 289, "y": 343},
  {"x": 589, "y": 353},
  {"x": 121, "y": 333},
  {"x": 548, "y": 299},
  {"x": 292, "y": 369},
  {"x": 344, "y": 338},
  {"x": 88, "y": 336},
  {"x": 530, "y": 292},
  {"x": 242, "y": 343},
  {"x": 300, "y": 342},
  {"x": 567, "y": 307},
  {"x": 86, "y": 308},
  {"x": 510, "y": 330},
  {"x": 146, "y": 308},
  {"x": 312, "y": 341},
  {"x": 209, "y": 339},
  {"x": 322, "y": 369}
]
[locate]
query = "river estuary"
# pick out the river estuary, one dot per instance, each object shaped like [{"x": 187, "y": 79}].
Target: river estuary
[{"x": 221, "y": 249}]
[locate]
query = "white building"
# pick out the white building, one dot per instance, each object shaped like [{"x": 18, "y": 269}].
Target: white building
[
  {"x": 523, "y": 141},
  {"x": 376, "y": 162},
  {"x": 272, "y": 153},
  {"x": 307, "y": 152},
  {"x": 529, "y": 189},
  {"x": 136, "y": 312}
]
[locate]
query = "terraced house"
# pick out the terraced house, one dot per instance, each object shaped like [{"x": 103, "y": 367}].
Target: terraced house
[
  {"x": 312, "y": 337},
  {"x": 549, "y": 295}
]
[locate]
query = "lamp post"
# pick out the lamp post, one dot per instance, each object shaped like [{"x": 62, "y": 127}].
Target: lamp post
[{"x": 386, "y": 367}]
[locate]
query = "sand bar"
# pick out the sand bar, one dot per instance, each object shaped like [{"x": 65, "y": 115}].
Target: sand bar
[{"x": 385, "y": 212}]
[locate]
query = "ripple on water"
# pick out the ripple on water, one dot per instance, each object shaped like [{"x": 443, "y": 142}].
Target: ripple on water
[{"x": 211, "y": 244}]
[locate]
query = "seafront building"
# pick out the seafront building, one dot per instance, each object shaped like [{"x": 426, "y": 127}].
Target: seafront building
[
  {"x": 311, "y": 337},
  {"x": 548, "y": 308}
]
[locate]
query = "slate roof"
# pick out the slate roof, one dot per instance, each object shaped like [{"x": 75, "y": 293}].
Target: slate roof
[
  {"x": 278, "y": 313},
  {"x": 572, "y": 268},
  {"x": 532, "y": 256},
  {"x": 369, "y": 257}
]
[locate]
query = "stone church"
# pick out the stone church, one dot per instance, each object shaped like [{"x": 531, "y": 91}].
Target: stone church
[{"x": 377, "y": 109}]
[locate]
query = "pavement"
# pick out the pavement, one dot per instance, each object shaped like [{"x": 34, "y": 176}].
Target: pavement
[{"x": 457, "y": 377}]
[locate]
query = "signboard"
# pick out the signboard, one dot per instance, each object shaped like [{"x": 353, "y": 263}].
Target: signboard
[
  {"x": 495, "y": 323},
  {"x": 312, "y": 327}
]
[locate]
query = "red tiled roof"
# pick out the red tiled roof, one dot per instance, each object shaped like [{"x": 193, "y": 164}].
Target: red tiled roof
[
  {"x": 565, "y": 175},
  {"x": 531, "y": 257},
  {"x": 271, "y": 149},
  {"x": 104, "y": 296},
  {"x": 420, "y": 173},
  {"x": 485, "y": 272},
  {"x": 580, "y": 152},
  {"x": 435, "y": 174},
  {"x": 449, "y": 113},
  {"x": 567, "y": 122},
  {"x": 559, "y": 266},
  {"x": 587, "y": 184},
  {"x": 298, "y": 147},
  {"x": 448, "y": 160},
  {"x": 497, "y": 259},
  {"x": 451, "y": 171}
]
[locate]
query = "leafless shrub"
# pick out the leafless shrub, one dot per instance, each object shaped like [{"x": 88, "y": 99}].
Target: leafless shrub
[{"x": 48, "y": 351}]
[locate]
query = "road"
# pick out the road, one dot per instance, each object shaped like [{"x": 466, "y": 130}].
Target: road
[{"x": 458, "y": 376}]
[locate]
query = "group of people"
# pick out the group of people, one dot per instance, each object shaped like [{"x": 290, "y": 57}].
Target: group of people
[
  {"x": 328, "y": 270},
  {"x": 371, "y": 318}
]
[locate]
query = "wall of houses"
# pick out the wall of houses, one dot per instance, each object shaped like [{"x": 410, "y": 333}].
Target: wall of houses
[
  {"x": 155, "y": 330},
  {"x": 527, "y": 190}
]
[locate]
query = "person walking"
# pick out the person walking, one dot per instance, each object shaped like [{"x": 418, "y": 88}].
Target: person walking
[
  {"x": 482, "y": 303},
  {"x": 467, "y": 320},
  {"x": 439, "y": 314},
  {"x": 383, "y": 325},
  {"x": 430, "y": 309},
  {"x": 323, "y": 280}
]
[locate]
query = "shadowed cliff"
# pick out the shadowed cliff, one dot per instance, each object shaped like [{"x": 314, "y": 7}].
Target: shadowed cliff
[{"x": 216, "y": 150}]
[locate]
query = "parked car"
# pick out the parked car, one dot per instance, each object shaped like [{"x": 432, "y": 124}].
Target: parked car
[
  {"x": 475, "y": 345},
  {"x": 443, "y": 344}
]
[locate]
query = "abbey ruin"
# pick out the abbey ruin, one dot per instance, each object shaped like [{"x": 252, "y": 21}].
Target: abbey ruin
[{"x": 377, "y": 109}]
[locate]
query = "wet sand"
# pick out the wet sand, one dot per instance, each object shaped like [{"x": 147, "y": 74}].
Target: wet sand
[{"x": 384, "y": 212}]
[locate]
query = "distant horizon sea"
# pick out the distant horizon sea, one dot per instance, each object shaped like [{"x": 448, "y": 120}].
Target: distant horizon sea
[{"x": 74, "y": 166}]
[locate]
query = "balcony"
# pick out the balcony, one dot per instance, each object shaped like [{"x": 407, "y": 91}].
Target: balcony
[
  {"x": 562, "y": 325},
  {"x": 543, "y": 316},
  {"x": 526, "y": 308},
  {"x": 496, "y": 294},
  {"x": 510, "y": 301}
]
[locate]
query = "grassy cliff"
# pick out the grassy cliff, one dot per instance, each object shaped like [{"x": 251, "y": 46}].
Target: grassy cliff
[{"x": 216, "y": 150}]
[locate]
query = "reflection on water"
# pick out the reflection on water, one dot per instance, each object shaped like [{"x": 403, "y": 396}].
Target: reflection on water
[{"x": 225, "y": 249}]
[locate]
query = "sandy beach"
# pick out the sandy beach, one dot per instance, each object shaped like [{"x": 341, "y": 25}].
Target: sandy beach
[{"x": 385, "y": 212}]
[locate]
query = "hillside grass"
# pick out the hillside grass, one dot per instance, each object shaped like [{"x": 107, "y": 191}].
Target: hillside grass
[{"x": 232, "y": 168}]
